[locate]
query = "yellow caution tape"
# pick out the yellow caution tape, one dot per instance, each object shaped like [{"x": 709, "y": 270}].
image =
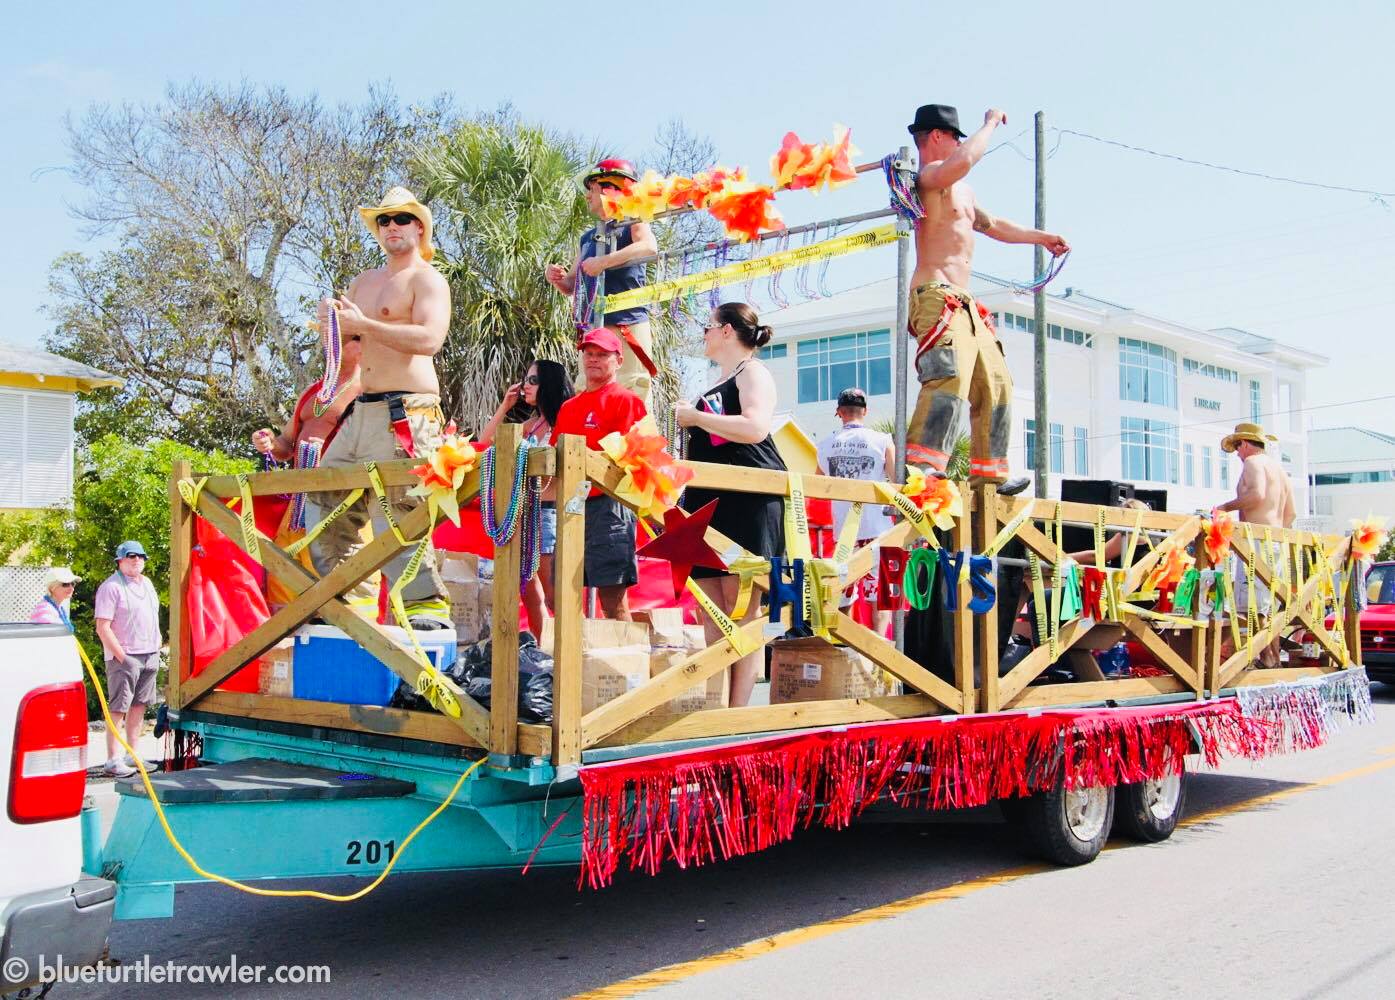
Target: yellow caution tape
[{"x": 746, "y": 270}]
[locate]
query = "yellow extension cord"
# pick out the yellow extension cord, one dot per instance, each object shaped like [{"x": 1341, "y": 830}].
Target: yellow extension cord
[{"x": 233, "y": 883}]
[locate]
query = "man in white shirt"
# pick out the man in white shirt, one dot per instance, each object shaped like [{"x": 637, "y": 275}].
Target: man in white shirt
[{"x": 858, "y": 452}]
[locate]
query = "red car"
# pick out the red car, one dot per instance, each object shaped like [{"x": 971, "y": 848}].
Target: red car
[{"x": 1378, "y": 623}]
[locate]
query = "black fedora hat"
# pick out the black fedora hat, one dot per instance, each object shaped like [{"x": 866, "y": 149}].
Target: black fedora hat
[{"x": 929, "y": 117}]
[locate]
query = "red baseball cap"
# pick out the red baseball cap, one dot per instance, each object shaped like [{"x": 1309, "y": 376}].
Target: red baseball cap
[{"x": 600, "y": 337}]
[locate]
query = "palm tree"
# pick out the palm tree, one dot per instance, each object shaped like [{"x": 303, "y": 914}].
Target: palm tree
[{"x": 507, "y": 204}]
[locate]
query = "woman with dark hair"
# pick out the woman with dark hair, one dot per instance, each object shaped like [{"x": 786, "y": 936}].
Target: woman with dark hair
[
  {"x": 730, "y": 425},
  {"x": 545, "y": 388}
]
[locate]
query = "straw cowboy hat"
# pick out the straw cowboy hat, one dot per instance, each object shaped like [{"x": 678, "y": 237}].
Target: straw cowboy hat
[
  {"x": 1246, "y": 432},
  {"x": 399, "y": 199}
]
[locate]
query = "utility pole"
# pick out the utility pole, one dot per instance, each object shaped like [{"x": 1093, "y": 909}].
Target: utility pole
[{"x": 1043, "y": 427}]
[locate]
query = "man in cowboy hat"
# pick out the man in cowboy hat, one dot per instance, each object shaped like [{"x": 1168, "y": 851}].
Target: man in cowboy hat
[
  {"x": 399, "y": 314},
  {"x": 958, "y": 361},
  {"x": 624, "y": 245},
  {"x": 1263, "y": 496}
]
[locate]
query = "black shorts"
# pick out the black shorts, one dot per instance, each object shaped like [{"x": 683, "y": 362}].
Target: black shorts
[{"x": 610, "y": 544}]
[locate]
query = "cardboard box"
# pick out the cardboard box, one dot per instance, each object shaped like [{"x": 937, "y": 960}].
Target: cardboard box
[
  {"x": 460, "y": 571},
  {"x": 715, "y": 692},
  {"x": 815, "y": 670},
  {"x": 484, "y": 606},
  {"x": 614, "y": 659},
  {"x": 275, "y": 676},
  {"x": 665, "y": 626}
]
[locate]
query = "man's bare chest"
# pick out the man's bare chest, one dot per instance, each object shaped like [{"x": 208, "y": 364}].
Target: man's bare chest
[{"x": 385, "y": 298}]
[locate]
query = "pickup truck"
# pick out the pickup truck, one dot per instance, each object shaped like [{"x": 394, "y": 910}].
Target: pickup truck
[{"x": 48, "y": 906}]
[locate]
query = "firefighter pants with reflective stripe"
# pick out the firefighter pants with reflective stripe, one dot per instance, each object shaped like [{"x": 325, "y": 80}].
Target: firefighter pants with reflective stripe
[
  {"x": 962, "y": 371},
  {"x": 367, "y": 436}
]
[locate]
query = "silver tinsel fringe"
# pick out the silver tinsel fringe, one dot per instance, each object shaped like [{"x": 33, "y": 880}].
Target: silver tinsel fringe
[{"x": 1307, "y": 713}]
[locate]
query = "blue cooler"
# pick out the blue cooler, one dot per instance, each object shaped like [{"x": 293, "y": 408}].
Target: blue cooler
[{"x": 327, "y": 665}]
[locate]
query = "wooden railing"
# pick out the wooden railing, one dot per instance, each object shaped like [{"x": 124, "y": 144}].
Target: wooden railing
[{"x": 1192, "y": 658}]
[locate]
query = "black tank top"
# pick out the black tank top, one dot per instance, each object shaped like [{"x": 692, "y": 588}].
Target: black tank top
[{"x": 725, "y": 397}]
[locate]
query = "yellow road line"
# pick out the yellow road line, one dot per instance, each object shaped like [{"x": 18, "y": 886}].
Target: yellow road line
[{"x": 785, "y": 939}]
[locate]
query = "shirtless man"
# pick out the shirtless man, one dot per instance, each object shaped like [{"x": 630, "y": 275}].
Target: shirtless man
[
  {"x": 1263, "y": 496},
  {"x": 958, "y": 360},
  {"x": 399, "y": 313}
]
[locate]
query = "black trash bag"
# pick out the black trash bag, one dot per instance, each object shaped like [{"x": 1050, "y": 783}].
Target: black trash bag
[{"x": 472, "y": 672}]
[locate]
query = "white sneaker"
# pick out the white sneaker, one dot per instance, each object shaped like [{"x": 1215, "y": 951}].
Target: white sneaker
[
  {"x": 118, "y": 768},
  {"x": 130, "y": 761}
]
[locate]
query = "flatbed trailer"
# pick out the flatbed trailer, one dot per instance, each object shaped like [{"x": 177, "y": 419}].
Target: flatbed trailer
[{"x": 297, "y": 789}]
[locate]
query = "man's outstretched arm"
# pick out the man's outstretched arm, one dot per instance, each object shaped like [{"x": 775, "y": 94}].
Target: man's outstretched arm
[
  {"x": 957, "y": 165},
  {"x": 1010, "y": 232}
]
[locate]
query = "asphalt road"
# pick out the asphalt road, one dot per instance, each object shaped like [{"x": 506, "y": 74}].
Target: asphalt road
[{"x": 1280, "y": 886}]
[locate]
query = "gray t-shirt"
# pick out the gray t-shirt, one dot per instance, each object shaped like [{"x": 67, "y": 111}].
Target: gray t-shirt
[{"x": 857, "y": 452}]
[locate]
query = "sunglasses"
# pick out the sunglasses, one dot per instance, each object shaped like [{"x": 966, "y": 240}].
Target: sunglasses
[
  {"x": 532, "y": 380},
  {"x": 134, "y": 555},
  {"x": 68, "y": 584},
  {"x": 401, "y": 218}
]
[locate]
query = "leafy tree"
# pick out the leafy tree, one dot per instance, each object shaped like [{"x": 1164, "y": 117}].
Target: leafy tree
[
  {"x": 235, "y": 209},
  {"x": 121, "y": 491}
]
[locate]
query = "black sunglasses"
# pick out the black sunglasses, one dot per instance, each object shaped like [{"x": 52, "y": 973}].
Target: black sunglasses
[
  {"x": 532, "y": 380},
  {"x": 401, "y": 218}
]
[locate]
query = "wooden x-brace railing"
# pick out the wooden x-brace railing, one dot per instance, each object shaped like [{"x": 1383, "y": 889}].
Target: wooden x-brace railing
[{"x": 323, "y": 597}]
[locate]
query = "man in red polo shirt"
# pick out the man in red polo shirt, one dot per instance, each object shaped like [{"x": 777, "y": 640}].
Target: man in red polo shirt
[{"x": 604, "y": 407}]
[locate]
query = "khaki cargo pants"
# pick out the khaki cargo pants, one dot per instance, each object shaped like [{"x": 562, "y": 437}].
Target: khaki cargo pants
[
  {"x": 961, "y": 368},
  {"x": 366, "y": 436}
]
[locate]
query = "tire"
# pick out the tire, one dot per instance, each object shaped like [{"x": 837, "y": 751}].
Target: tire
[
  {"x": 1066, "y": 827},
  {"x": 1149, "y": 810}
]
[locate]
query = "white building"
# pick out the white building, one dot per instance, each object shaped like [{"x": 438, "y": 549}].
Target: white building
[
  {"x": 1352, "y": 474},
  {"x": 1133, "y": 397}
]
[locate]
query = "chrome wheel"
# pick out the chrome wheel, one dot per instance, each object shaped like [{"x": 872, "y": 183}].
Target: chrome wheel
[
  {"x": 1160, "y": 796},
  {"x": 1087, "y": 810}
]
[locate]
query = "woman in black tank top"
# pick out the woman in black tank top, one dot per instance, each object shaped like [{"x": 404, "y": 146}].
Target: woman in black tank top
[{"x": 730, "y": 425}]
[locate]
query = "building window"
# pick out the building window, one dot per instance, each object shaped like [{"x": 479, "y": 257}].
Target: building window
[
  {"x": 1192, "y": 367},
  {"x": 1286, "y": 405},
  {"x": 1082, "y": 452},
  {"x": 829, "y": 365},
  {"x": 1349, "y": 478},
  {"x": 1188, "y": 465},
  {"x": 1324, "y": 505},
  {"x": 773, "y": 351},
  {"x": 36, "y": 451},
  {"x": 1147, "y": 373},
  {"x": 1149, "y": 450},
  {"x": 1054, "y": 331},
  {"x": 1225, "y": 472},
  {"x": 1058, "y": 449},
  {"x": 1206, "y": 467},
  {"x": 1029, "y": 438},
  {"x": 1256, "y": 409}
]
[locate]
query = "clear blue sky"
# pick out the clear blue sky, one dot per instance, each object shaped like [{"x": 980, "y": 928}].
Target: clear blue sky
[{"x": 1292, "y": 89}]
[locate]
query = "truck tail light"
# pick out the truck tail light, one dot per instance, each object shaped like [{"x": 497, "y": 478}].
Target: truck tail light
[{"x": 48, "y": 776}]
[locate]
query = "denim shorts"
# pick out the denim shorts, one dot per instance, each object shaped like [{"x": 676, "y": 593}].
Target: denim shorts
[{"x": 549, "y": 528}]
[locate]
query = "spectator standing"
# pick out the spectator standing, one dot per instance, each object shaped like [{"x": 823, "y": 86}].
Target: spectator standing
[{"x": 126, "y": 613}]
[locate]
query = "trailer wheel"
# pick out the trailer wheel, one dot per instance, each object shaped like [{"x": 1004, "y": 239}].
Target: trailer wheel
[
  {"x": 1066, "y": 827},
  {"x": 1149, "y": 810}
]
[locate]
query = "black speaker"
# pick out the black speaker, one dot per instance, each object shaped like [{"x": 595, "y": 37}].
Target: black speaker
[
  {"x": 1105, "y": 492},
  {"x": 1156, "y": 499}
]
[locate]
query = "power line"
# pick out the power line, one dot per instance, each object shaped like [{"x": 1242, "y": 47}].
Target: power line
[{"x": 1378, "y": 195}]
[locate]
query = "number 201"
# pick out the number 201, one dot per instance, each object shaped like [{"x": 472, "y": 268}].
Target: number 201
[{"x": 369, "y": 852}]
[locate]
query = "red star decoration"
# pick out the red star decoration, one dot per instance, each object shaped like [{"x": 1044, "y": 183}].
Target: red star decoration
[{"x": 682, "y": 544}]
